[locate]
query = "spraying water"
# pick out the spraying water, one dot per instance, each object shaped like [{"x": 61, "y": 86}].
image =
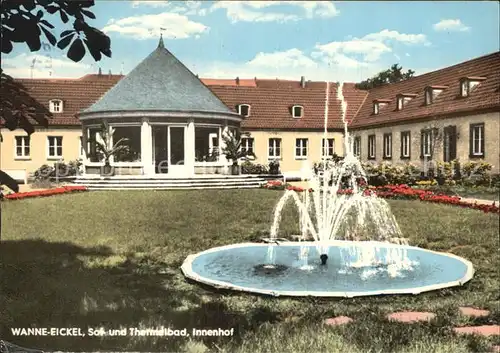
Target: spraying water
[{"x": 327, "y": 215}]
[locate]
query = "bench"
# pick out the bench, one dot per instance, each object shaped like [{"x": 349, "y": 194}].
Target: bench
[
  {"x": 19, "y": 175},
  {"x": 293, "y": 176}
]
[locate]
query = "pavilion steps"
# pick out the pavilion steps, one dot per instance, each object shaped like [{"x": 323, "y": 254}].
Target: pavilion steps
[{"x": 142, "y": 183}]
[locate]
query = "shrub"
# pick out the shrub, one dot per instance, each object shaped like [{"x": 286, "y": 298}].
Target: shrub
[
  {"x": 274, "y": 167},
  {"x": 495, "y": 181},
  {"x": 251, "y": 168},
  {"x": 387, "y": 173},
  {"x": 476, "y": 173},
  {"x": 59, "y": 169}
]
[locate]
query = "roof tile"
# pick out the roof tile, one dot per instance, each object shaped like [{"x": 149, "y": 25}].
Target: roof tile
[{"x": 484, "y": 96}]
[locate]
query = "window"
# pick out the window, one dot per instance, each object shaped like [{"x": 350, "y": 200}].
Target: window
[
  {"x": 464, "y": 88},
  {"x": 247, "y": 144},
  {"x": 132, "y": 136},
  {"x": 432, "y": 92},
  {"x": 22, "y": 147},
  {"x": 92, "y": 154},
  {"x": 244, "y": 109},
  {"x": 206, "y": 143},
  {"x": 404, "y": 99},
  {"x": 274, "y": 148},
  {"x": 426, "y": 143},
  {"x": 297, "y": 111},
  {"x": 476, "y": 140},
  {"x": 467, "y": 85},
  {"x": 379, "y": 104},
  {"x": 80, "y": 147},
  {"x": 54, "y": 146},
  {"x": 387, "y": 146},
  {"x": 300, "y": 148},
  {"x": 428, "y": 96},
  {"x": 56, "y": 106},
  {"x": 356, "y": 146},
  {"x": 328, "y": 149},
  {"x": 405, "y": 144},
  {"x": 371, "y": 147},
  {"x": 401, "y": 102},
  {"x": 449, "y": 143}
]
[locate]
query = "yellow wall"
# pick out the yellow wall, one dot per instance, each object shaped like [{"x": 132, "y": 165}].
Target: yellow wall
[
  {"x": 288, "y": 162},
  {"x": 491, "y": 127},
  {"x": 38, "y": 148}
]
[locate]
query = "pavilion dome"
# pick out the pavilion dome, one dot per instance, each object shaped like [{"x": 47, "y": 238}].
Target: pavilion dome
[{"x": 160, "y": 83}]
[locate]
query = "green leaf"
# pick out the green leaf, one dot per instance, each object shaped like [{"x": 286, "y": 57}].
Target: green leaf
[
  {"x": 7, "y": 180},
  {"x": 67, "y": 33},
  {"x": 64, "y": 42},
  {"x": 96, "y": 54},
  {"x": 52, "y": 40},
  {"x": 89, "y": 14},
  {"x": 46, "y": 24},
  {"x": 6, "y": 45},
  {"x": 51, "y": 9},
  {"x": 64, "y": 17},
  {"x": 76, "y": 51},
  {"x": 33, "y": 41}
]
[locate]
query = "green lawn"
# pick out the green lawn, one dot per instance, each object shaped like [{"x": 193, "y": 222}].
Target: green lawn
[{"x": 112, "y": 259}]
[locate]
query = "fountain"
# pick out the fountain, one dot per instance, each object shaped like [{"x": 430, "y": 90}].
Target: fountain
[{"x": 358, "y": 242}]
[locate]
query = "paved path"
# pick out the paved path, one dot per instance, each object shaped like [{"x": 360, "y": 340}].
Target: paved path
[{"x": 479, "y": 201}]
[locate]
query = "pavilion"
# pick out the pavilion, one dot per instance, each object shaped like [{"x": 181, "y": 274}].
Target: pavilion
[{"x": 174, "y": 123}]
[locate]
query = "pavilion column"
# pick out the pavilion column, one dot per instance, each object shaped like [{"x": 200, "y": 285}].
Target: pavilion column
[
  {"x": 190, "y": 148},
  {"x": 225, "y": 162},
  {"x": 147, "y": 147}
]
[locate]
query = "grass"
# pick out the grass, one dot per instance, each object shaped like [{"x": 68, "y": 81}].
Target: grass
[{"x": 111, "y": 259}]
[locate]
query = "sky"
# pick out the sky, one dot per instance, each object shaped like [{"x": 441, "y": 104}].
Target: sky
[{"x": 321, "y": 40}]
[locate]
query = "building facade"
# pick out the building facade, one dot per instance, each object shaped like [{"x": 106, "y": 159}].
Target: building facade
[
  {"x": 174, "y": 121},
  {"x": 449, "y": 114}
]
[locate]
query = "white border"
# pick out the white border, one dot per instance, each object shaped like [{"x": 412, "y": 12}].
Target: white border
[{"x": 188, "y": 272}]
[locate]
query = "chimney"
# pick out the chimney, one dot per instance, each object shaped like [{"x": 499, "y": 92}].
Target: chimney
[
  {"x": 303, "y": 81},
  {"x": 100, "y": 72},
  {"x": 237, "y": 81},
  {"x": 109, "y": 73}
]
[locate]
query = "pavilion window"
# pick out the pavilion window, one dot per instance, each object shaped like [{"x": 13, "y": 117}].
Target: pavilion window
[
  {"x": 207, "y": 144},
  {"x": 132, "y": 134},
  {"x": 93, "y": 155}
]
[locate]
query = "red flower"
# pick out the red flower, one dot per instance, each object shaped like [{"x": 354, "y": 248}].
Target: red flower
[{"x": 46, "y": 192}]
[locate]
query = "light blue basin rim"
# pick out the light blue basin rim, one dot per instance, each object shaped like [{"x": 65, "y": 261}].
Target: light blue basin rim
[{"x": 232, "y": 267}]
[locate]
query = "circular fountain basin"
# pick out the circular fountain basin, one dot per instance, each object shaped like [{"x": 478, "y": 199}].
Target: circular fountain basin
[{"x": 246, "y": 267}]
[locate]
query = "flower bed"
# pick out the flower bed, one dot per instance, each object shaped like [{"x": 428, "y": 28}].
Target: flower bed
[
  {"x": 47, "y": 192},
  {"x": 401, "y": 192}
]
